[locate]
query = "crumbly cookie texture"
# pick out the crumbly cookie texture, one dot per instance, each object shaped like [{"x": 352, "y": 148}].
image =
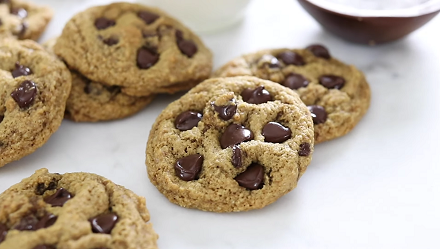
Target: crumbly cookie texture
[
  {"x": 337, "y": 94},
  {"x": 139, "y": 48},
  {"x": 23, "y": 20},
  {"x": 34, "y": 87},
  {"x": 230, "y": 144},
  {"x": 73, "y": 211},
  {"x": 92, "y": 101}
]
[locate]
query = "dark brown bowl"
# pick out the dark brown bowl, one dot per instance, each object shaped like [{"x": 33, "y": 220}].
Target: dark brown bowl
[{"x": 366, "y": 30}]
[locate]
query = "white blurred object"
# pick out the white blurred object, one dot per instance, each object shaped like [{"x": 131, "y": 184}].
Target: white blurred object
[{"x": 204, "y": 15}]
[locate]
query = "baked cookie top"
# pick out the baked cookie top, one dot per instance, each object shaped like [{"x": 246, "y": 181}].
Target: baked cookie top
[
  {"x": 23, "y": 20},
  {"x": 34, "y": 87},
  {"x": 337, "y": 94},
  {"x": 75, "y": 211},
  {"x": 230, "y": 144},
  {"x": 139, "y": 48}
]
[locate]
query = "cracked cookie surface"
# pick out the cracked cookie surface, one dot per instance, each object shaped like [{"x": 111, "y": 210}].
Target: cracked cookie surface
[
  {"x": 34, "y": 87},
  {"x": 23, "y": 20},
  {"x": 337, "y": 94},
  {"x": 139, "y": 48},
  {"x": 230, "y": 144},
  {"x": 73, "y": 211}
]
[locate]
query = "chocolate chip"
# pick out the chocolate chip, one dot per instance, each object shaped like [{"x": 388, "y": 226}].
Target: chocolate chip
[
  {"x": 27, "y": 223},
  {"x": 103, "y": 23},
  {"x": 111, "y": 41},
  {"x": 148, "y": 17},
  {"x": 22, "y": 29},
  {"x": 189, "y": 167},
  {"x": 25, "y": 94},
  {"x": 276, "y": 133},
  {"x": 319, "y": 114},
  {"x": 304, "y": 149},
  {"x": 146, "y": 58},
  {"x": 252, "y": 178},
  {"x": 236, "y": 156},
  {"x": 187, "y": 47},
  {"x": 295, "y": 81},
  {"x": 103, "y": 223},
  {"x": 52, "y": 185},
  {"x": 269, "y": 60},
  {"x": 44, "y": 247},
  {"x": 332, "y": 81},
  {"x": 256, "y": 96},
  {"x": 291, "y": 58},
  {"x": 179, "y": 35},
  {"x": 3, "y": 232},
  {"x": 59, "y": 198},
  {"x": 1, "y": 118},
  {"x": 20, "y": 12},
  {"x": 187, "y": 120},
  {"x": 46, "y": 221},
  {"x": 41, "y": 188},
  {"x": 235, "y": 134},
  {"x": 20, "y": 70},
  {"x": 319, "y": 51},
  {"x": 225, "y": 112}
]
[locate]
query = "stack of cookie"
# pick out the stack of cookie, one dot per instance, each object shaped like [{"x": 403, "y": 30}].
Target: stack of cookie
[{"x": 121, "y": 55}]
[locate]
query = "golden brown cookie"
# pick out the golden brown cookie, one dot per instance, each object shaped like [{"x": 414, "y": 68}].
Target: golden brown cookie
[
  {"x": 34, "y": 87},
  {"x": 230, "y": 144},
  {"x": 74, "y": 211},
  {"x": 139, "y": 48},
  {"x": 337, "y": 94}
]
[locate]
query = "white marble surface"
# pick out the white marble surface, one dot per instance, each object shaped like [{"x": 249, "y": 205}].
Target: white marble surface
[{"x": 378, "y": 187}]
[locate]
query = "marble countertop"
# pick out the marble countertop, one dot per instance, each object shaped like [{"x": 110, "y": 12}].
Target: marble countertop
[{"x": 377, "y": 187}]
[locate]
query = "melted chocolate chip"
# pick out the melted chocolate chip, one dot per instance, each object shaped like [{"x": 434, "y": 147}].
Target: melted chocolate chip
[
  {"x": 187, "y": 47},
  {"x": 148, "y": 17},
  {"x": 319, "y": 51},
  {"x": 44, "y": 247},
  {"x": 189, "y": 167},
  {"x": 332, "y": 81},
  {"x": 276, "y": 133},
  {"x": 295, "y": 81},
  {"x": 3, "y": 232},
  {"x": 25, "y": 94},
  {"x": 46, "y": 221},
  {"x": 59, "y": 198},
  {"x": 146, "y": 58},
  {"x": 235, "y": 134},
  {"x": 187, "y": 120},
  {"x": 110, "y": 41},
  {"x": 269, "y": 61},
  {"x": 304, "y": 149},
  {"x": 252, "y": 178},
  {"x": 225, "y": 112},
  {"x": 103, "y": 23},
  {"x": 256, "y": 96},
  {"x": 103, "y": 223},
  {"x": 236, "y": 156},
  {"x": 20, "y": 70},
  {"x": 27, "y": 223},
  {"x": 291, "y": 58},
  {"x": 319, "y": 114},
  {"x": 20, "y": 12}
]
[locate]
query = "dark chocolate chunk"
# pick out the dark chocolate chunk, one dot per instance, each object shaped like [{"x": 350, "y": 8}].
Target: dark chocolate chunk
[
  {"x": 304, "y": 149},
  {"x": 252, "y": 178},
  {"x": 276, "y": 133},
  {"x": 59, "y": 198},
  {"x": 103, "y": 223},
  {"x": 111, "y": 41},
  {"x": 3, "y": 232},
  {"x": 295, "y": 81},
  {"x": 235, "y": 134},
  {"x": 291, "y": 58},
  {"x": 103, "y": 23},
  {"x": 20, "y": 12},
  {"x": 20, "y": 70},
  {"x": 319, "y": 114},
  {"x": 225, "y": 112},
  {"x": 236, "y": 156},
  {"x": 146, "y": 58},
  {"x": 27, "y": 223},
  {"x": 44, "y": 247},
  {"x": 179, "y": 35},
  {"x": 256, "y": 96},
  {"x": 148, "y": 17},
  {"x": 187, "y": 120},
  {"x": 319, "y": 51},
  {"x": 46, "y": 221},
  {"x": 189, "y": 167},
  {"x": 332, "y": 81},
  {"x": 187, "y": 47},
  {"x": 25, "y": 94}
]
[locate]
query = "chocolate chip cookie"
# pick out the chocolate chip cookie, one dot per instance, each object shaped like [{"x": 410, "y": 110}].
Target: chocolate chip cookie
[
  {"x": 23, "y": 20},
  {"x": 75, "y": 211},
  {"x": 337, "y": 94},
  {"x": 34, "y": 87},
  {"x": 140, "y": 49},
  {"x": 92, "y": 101},
  {"x": 230, "y": 144}
]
